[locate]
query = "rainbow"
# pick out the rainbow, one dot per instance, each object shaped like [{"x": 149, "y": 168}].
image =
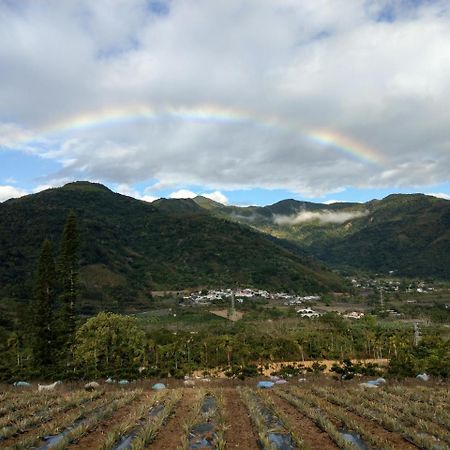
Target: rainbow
[{"x": 212, "y": 114}]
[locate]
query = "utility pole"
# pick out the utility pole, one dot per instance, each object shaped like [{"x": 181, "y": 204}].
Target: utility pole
[
  {"x": 233, "y": 307},
  {"x": 417, "y": 334},
  {"x": 381, "y": 299}
]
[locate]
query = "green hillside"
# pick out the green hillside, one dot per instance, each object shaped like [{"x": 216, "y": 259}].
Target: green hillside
[
  {"x": 406, "y": 233},
  {"x": 130, "y": 248}
]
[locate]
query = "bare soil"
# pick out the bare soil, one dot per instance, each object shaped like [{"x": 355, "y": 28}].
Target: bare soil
[
  {"x": 374, "y": 428},
  {"x": 97, "y": 435},
  {"x": 239, "y": 432},
  {"x": 225, "y": 314},
  {"x": 313, "y": 437},
  {"x": 276, "y": 366},
  {"x": 170, "y": 436}
]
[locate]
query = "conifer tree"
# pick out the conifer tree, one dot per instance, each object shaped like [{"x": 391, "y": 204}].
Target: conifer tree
[
  {"x": 41, "y": 309},
  {"x": 68, "y": 271}
]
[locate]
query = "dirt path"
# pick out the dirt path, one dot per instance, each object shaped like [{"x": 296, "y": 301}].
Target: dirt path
[
  {"x": 313, "y": 437},
  {"x": 374, "y": 428},
  {"x": 95, "y": 437},
  {"x": 170, "y": 435},
  {"x": 239, "y": 432}
]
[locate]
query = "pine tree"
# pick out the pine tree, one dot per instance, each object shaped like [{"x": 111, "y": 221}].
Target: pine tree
[
  {"x": 41, "y": 309},
  {"x": 68, "y": 272}
]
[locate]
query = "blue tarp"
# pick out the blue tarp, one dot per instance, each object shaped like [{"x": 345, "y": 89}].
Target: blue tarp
[
  {"x": 159, "y": 386},
  {"x": 265, "y": 384}
]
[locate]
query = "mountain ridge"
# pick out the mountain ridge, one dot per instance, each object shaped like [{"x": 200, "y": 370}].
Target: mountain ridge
[
  {"x": 131, "y": 247},
  {"x": 407, "y": 233}
]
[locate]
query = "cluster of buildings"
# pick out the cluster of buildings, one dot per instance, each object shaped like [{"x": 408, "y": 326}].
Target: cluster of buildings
[
  {"x": 202, "y": 298},
  {"x": 310, "y": 313},
  {"x": 388, "y": 285},
  {"x": 207, "y": 297},
  {"x": 293, "y": 300}
]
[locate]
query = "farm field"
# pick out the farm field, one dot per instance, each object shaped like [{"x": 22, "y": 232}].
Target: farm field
[{"x": 219, "y": 414}]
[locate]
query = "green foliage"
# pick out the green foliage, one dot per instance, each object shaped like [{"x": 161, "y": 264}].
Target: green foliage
[
  {"x": 316, "y": 367},
  {"x": 136, "y": 248},
  {"x": 432, "y": 356},
  {"x": 243, "y": 372},
  {"x": 109, "y": 345},
  {"x": 347, "y": 370},
  {"x": 68, "y": 274},
  {"x": 406, "y": 233},
  {"x": 290, "y": 370},
  {"x": 42, "y": 333}
]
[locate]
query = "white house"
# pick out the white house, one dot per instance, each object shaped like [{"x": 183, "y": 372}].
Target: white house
[{"x": 307, "y": 312}]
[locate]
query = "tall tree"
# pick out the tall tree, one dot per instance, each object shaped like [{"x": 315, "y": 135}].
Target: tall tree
[
  {"x": 41, "y": 311},
  {"x": 68, "y": 269}
]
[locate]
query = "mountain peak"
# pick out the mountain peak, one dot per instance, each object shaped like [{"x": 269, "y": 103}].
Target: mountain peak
[
  {"x": 207, "y": 203},
  {"x": 85, "y": 186},
  {"x": 177, "y": 205}
]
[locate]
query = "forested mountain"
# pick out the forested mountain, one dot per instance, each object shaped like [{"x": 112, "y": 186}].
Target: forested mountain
[
  {"x": 409, "y": 233},
  {"x": 130, "y": 248}
]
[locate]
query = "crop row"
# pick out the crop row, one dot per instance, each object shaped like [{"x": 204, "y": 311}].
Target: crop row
[
  {"x": 44, "y": 415},
  {"x": 435, "y": 418},
  {"x": 56, "y": 422},
  {"x": 341, "y": 416},
  {"x": 383, "y": 414},
  {"x": 82, "y": 427},
  {"x": 142, "y": 425},
  {"x": 25, "y": 400},
  {"x": 425, "y": 397},
  {"x": 205, "y": 422},
  {"x": 319, "y": 418},
  {"x": 271, "y": 424},
  {"x": 44, "y": 403}
]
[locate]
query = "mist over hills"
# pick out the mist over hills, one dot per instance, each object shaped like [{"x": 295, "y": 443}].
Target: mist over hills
[
  {"x": 407, "y": 233},
  {"x": 130, "y": 247}
]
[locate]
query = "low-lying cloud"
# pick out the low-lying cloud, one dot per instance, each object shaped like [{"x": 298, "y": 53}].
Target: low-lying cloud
[{"x": 321, "y": 216}]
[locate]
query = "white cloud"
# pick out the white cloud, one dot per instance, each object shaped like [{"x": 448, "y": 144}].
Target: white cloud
[
  {"x": 183, "y": 193},
  {"x": 125, "y": 189},
  {"x": 217, "y": 196},
  {"x": 231, "y": 105},
  {"x": 320, "y": 216},
  {"x": 439, "y": 195},
  {"x": 148, "y": 198},
  {"x": 43, "y": 187},
  {"x": 7, "y": 192}
]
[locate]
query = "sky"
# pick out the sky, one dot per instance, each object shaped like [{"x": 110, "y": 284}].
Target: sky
[{"x": 244, "y": 102}]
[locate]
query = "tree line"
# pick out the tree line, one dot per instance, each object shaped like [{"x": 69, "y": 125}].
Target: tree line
[{"x": 43, "y": 342}]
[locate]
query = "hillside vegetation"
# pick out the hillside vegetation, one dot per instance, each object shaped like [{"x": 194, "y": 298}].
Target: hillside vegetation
[
  {"x": 130, "y": 248},
  {"x": 409, "y": 234}
]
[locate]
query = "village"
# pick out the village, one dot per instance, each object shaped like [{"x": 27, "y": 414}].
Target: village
[
  {"x": 392, "y": 285},
  {"x": 238, "y": 295}
]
